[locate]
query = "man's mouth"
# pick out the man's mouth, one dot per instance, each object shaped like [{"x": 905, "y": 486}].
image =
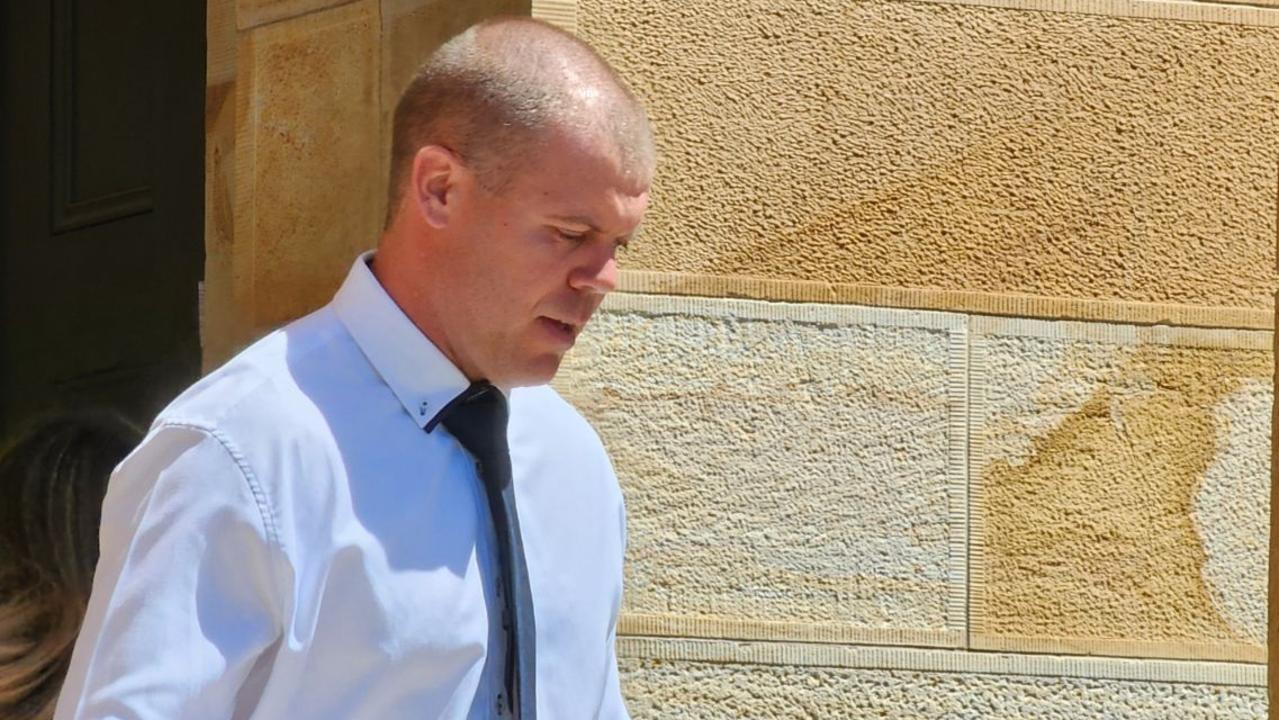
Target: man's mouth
[
  {"x": 568, "y": 321},
  {"x": 565, "y": 331}
]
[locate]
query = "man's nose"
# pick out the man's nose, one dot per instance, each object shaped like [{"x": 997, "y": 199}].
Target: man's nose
[{"x": 597, "y": 275}]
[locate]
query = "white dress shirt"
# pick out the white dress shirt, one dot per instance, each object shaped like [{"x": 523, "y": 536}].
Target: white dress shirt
[{"x": 288, "y": 542}]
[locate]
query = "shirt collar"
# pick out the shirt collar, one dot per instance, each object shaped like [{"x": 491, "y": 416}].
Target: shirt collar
[{"x": 417, "y": 372}]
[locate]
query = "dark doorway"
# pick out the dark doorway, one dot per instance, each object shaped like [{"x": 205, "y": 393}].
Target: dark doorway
[{"x": 101, "y": 171}]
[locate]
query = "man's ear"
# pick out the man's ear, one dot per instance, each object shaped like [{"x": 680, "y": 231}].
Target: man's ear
[{"x": 433, "y": 184}]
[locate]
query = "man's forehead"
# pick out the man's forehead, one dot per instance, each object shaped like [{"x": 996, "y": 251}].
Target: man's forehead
[
  {"x": 579, "y": 189},
  {"x": 582, "y": 145}
]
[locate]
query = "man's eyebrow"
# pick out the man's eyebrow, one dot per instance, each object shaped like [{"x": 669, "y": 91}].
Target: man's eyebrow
[
  {"x": 583, "y": 220},
  {"x": 575, "y": 220}
]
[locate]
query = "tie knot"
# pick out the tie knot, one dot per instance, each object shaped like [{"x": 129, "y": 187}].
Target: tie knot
[{"x": 478, "y": 418}]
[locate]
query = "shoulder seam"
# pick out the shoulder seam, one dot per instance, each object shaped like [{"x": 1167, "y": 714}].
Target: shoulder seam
[{"x": 266, "y": 511}]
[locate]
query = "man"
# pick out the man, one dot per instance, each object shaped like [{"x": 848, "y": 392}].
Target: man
[{"x": 339, "y": 523}]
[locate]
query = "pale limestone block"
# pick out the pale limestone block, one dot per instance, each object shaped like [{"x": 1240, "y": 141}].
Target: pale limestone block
[
  {"x": 1118, "y": 475},
  {"x": 307, "y": 165},
  {"x": 252, "y": 13},
  {"x": 220, "y": 44},
  {"x": 1073, "y": 155},
  {"x": 1232, "y": 509},
  {"x": 943, "y": 660},
  {"x": 226, "y": 321},
  {"x": 699, "y": 690},
  {"x": 782, "y": 463},
  {"x": 562, "y": 13},
  {"x": 1033, "y": 398}
]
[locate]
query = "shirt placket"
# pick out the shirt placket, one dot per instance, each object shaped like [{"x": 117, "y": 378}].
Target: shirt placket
[{"x": 493, "y": 681}]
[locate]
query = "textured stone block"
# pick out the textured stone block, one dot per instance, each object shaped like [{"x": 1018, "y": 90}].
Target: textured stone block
[
  {"x": 226, "y": 310},
  {"x": 220, "y": 42},
  {"x": 562, "y": 13},
  {"x": 252, "y": 13},
  {"x": 307, "y": 155},
  {"x": 1272, "y": 621},
  {"x": 931, "y": 145},
  {"x": 687, "y": 690},
  {"x": 790, "y": 470},
  {"x": 1122, "y": 489}
]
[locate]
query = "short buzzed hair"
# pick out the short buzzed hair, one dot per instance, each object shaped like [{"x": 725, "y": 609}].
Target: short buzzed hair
[{"x": 488, "y": 92}]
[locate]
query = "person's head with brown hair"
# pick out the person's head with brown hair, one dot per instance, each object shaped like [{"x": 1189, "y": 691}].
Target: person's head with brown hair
[
  {"x": 492, "y": 93},
  {"x": 520, "y": 165},
  {"x": 52, "y": 480}
]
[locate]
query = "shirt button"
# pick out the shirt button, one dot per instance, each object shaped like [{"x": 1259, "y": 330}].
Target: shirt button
[{"x": 501, "y": 703}]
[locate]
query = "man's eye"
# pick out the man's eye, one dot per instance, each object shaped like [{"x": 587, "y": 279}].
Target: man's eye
[{"x": 571, "y": 236}]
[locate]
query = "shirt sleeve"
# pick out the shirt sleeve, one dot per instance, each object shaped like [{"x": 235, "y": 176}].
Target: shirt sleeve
[
  {"x": 613, "y": 705},
  {"x": 186, "y": 595}
]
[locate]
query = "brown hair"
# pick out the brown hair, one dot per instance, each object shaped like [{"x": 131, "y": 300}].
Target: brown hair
[
  {"x": 52, "y": 480},
  {"x": 487, "y": 93}
]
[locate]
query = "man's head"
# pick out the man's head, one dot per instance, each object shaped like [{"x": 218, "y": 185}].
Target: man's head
[{"x": 520, "y": 164}]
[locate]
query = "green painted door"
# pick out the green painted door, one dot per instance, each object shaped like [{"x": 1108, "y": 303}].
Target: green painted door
[{"x": 101, "y": 172}]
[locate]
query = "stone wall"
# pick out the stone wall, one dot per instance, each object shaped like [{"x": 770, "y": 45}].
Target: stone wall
[{"x": 941, "y": 378}]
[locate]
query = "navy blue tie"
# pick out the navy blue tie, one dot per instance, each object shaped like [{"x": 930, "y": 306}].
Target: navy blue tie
[{"x": 478, "y": 419}]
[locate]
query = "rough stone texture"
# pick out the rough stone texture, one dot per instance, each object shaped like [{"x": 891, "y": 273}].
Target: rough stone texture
[
  {"x": 956, "y": 147},
  {"x": 562, "y": 13},
  {"x": 411, "y": 30},
  {"x": 1272, "y": 619},
  {"x": 307, "y": 155},
  {"x": 1232, "y": 509},
  {"x": 686, "y": 690},
  {"x": 226, "y": 313},
  {"x": 251, "y": 13},
  {"x": 775, "y": 469},
  {"x": 1122, "y": 495}
]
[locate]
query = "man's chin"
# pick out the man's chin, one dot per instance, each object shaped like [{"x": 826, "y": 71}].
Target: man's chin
[{"x": 534, "y": 371}]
